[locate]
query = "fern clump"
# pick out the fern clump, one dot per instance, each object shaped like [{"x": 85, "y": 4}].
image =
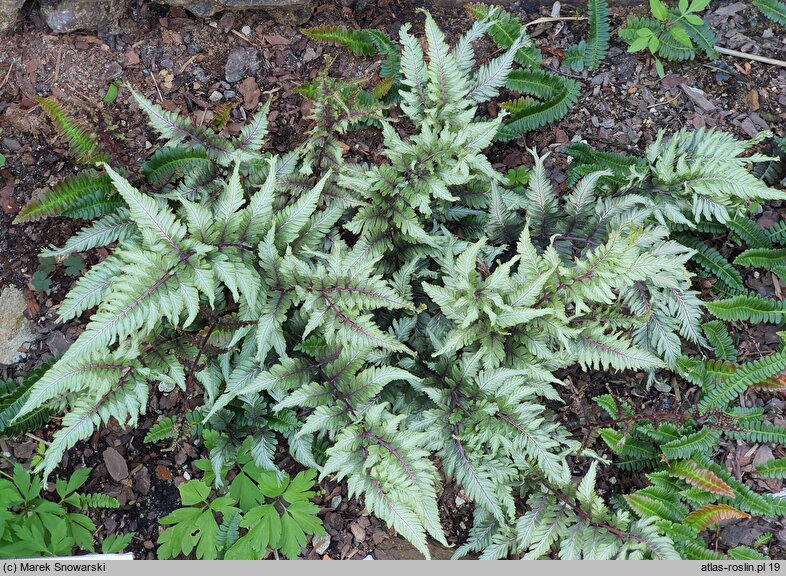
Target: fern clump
[{"x": 403, "y": 324}]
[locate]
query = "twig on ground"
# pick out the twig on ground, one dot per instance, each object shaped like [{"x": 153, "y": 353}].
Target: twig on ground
[
  {"x": 756, "y": 57},
  {"x": 153, "y": 76},
  {"x": 37, "y": 439},
  {"x": 7, "y": 74},
  {"x": 545, "y": 19}
]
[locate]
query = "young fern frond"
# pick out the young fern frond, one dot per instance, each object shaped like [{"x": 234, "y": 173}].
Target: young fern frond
[
  {"x": 748, "y": 308},
  {"x": 598, "y": 34},
  {"x": 85, "y": 195},
  {"x": 720, "y": 340},
  {"x": 13, "y": 396},
  {"x": 747, "y": 375},
  {"x": 84, "y": 146},
  {"x": 775, "y": 10}
]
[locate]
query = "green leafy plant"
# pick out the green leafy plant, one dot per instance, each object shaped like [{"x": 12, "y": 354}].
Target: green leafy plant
[
  {"x": 260, "y": 511},
  {"x": 672, "y": 34},
  {"x": 34, "y": 525},
  {"x": 546, "y": 96},
  {"x": 775, "y": 10},
  {"x": 590, "y": 53},
  {"x": 13, "y": 394},
  {"x": 688, "y": 492},
  {"x": 405, "y": 323}
]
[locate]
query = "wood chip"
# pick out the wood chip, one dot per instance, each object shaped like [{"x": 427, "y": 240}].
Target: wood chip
[
  {"x": 115, "y": 464},
  {"x": 163, "y": 473}
]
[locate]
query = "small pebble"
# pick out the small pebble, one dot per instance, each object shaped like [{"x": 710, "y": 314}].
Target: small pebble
[
  {"x": 246, "y": 30},
  {"x": 335, "y": 502},
  {"x": 215, "y": 96},
  {"x": 321, "y": 544},
  {"x": 11, "y": 144},
  {"x": 368, "y": 557}
]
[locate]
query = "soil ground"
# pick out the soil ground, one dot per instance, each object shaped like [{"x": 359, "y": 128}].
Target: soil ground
[{"x": 179, "y": 61}]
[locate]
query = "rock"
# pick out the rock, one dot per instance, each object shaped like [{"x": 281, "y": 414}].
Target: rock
[
  {"x": 250, "y": 91},
  {"x": 291, "y": 12},
  {"x": 57, "y": 343},
  {"x": 69, "y": 15},
  {"x": 9, "y": 13},
  {"x": 215, "y": 96},
  {"x": 15, "y": 329},
  {"x": 763, "y": 454},
  {"x": 321, "y": 544},
  {"x": 246, "y": 30},
  {"x": 309, "y": 55},
  {"x": 698, "y": 97},
  {"x": 115, "y": 464},
  {"x": 742, "y": 533},
  {"x": 240, "y": 63},
  {"x": 11, "y": 144},
  {"x": 357, "y": 531},
  {"x": 142, "y": 481},
  {"x": 163, "y": 473}
]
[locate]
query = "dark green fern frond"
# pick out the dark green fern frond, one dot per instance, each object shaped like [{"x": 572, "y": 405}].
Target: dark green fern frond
[
  {"x": 772, "y": 469},
  {"x": 691, "y": 444},
  {"x": 720, "y": 340},
  {"x": 713, "y": 262},
  {"x": 84, "y": 146},
  {"x": 770, "y": 259},
  {"x": 87, "y": 195},
  {"x": 745, "y": 553},
  {"x": 574, "y": 56},
  {"x": 761, "y": 432},
  {"x": 585, "y": 160},
  {"x": 598, "y": 34},
  {"x": 365, "y": 42},
  {"x": 748, "y": 233},
  {"x": 557, "y": 92},
  {"x": 750, "y": 308},
  {"x": 777, "y": 233},
  {"x": 744, "y": 377},
  {"x": 169, "y": 161},
  {"x": 162, "y": 430},
  {"x": 357, "y": 41},
  {"x": 775, "y": 10},
  {"x": 13, "y": 395},
  {"x": 96, "y": 500}
]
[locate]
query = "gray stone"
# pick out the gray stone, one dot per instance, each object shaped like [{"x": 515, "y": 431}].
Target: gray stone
[
  {"x": 15, "y": 329},
  {"x": 292, "y": 12},
  {"x": 11, "y": 144},
  {"x": 69, "y": 15},
  {"x": 9, "y": 13},
  {"x": 115, "y": 464},
  {"x": 699, "y": 98},
  {"x": 321, "y": 544},
  {"x": 241, "y": 62}
]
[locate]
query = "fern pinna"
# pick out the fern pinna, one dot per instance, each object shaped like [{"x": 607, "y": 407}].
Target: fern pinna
[{"x": 401, "y": 325}]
